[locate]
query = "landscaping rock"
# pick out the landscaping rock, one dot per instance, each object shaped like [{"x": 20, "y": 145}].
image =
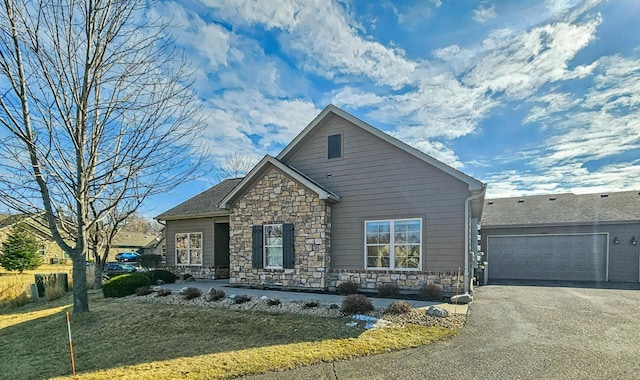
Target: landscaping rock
[
  {"x": 156, "y": 288},
  {"x": 437, "y": 311},
  {"x": 183, "y": 290},
  {"x": 461, "y": 299},
  {"x": 189, "y": 279},
  {"x": 159, "y": 282}
]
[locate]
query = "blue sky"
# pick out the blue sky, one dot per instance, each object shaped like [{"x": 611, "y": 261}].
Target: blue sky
[{"x": 528, "y": 96}]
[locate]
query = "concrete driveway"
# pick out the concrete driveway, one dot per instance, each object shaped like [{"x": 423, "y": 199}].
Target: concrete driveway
[{"x": 517, "y": 332}]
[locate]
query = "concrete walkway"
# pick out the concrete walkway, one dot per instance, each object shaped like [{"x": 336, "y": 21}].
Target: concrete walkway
[{"x": 378, "y": 303}]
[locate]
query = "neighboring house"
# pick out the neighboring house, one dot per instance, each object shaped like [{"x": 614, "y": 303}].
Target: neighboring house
[
  {"x": 133, "y": 241},
  {"x": 342, "y": 202},
  {"x": 563, "y": 237},
  {"x": 49, "y": 250}
]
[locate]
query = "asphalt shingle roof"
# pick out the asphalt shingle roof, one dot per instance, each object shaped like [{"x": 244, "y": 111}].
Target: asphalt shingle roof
[
  {"x": 203, "y": 204},
  {"x": 564, "y": 208}
]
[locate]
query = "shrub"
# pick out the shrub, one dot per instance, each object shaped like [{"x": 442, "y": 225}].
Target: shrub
[
  {"x": 273, "y": 302},
  {"x": 356, "y": 303},
  {"x": 163, "y": 292},
  {"x": 310, "y": 305},
  {"x": 241, "y": 299},
  {"x": 347, "y": 287},
  {"x": 388, "y": 290},
  {"x": 143, "y": 291},
  {"x": 400, "y": 307},
  {"x": 124, "y": 285},
  {"x": 52, "y": 281},
  {"x": 190, "y": 293},
  {"x": 160, "y": 274},
  {"x": 54, "y": 288},
  {"x": 214, "y": 294},
  {"x": 20, "y": 250},
  {"x": 149, "y": 260},
  {"x": 431, "y": 292}
]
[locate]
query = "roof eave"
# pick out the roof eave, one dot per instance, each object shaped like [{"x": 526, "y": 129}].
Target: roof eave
[
  {"x": 559, "y": 224},
  {"x": 193, "y": 216},
  {"x": 227, "y": 201}
]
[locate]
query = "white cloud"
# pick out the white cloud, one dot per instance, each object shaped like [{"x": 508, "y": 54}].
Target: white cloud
[
  {"x": 239, "y": 115},
  {"x": 209, "y": 42},
  {"x": 483, "y": 14},
  {"x": 604, "y": 122},
  {"x": 440, "y": 152},
  {"x": 327, "y": 40},
  {"x": 520, "y": 64},
  {"x": 569, "y": 178},
  {"x": 415, "y": 14}
]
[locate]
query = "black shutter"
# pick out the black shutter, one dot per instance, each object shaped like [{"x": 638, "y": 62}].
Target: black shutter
[
  {"x": 256, "y": 246},
  {"x": 287, "y": 245}
]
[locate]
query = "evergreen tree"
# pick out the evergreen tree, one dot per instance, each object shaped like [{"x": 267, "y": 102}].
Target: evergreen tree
[{"x": 20, "y": 251}]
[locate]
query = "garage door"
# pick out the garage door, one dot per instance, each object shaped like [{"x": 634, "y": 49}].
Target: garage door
[{"x": 580, "y": 257}]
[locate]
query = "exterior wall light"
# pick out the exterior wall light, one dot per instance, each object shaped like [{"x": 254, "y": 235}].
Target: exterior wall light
[
  {"x": 634, "y": 241},
  {"x": 616, "y": 240}
]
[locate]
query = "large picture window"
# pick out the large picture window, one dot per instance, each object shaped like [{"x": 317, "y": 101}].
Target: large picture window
[
  {"x": 393, "y": 244},
  {"x": 189, "y": 248}
]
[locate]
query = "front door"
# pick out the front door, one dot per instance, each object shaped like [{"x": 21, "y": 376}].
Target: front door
[{"x": 221, "y": 245}]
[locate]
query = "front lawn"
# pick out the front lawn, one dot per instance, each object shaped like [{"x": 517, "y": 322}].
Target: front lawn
[{"x": 125, "y": 339}]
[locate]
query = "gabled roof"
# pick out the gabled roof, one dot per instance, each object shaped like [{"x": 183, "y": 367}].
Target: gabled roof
[
  {"x": 562, "y": 209},
  {"x": 258, "y": 171},
  {"x": 202, "y": 205},
  {"x": 130, "y": 239},
  {"x": 473, "y": 183}
]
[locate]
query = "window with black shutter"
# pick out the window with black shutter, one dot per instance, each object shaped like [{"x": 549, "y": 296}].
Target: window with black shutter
[{"x": 273, "y": 246}]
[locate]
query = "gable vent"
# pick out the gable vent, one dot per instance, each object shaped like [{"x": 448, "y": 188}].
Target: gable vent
[
  {"x": 491, "y": 202},
  {"x": 520, "y": 200},
  {"x": 604, "y": 195},
  {"x": 553, "y": 198}
]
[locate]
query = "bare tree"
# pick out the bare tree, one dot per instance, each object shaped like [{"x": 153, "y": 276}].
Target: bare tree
[
  {"x": 96, "y": 115},
  {"x": 235, "y": 165}
]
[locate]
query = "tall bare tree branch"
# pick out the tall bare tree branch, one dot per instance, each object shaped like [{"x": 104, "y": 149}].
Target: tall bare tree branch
[{"x": 96, "y": 115}]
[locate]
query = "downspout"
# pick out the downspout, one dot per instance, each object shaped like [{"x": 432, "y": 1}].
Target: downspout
[{"x": 467, "y": 203}]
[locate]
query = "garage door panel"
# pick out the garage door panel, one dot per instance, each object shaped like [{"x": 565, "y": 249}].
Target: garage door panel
[{"x": 548, "y": 257}]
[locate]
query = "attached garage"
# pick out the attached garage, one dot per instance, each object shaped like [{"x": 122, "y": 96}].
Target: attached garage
[
  {"x": 562, "y": 237},
  {"x": 573, "y": 257}
]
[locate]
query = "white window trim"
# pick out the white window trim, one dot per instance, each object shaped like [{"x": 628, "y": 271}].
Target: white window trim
[
  {"x": 392, "y": 253},
  {"x": 265, "y": 245},
  {"x": 188, "y": 249}
]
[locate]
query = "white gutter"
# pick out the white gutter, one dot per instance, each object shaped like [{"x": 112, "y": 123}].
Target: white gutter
[{"x": 467, "y": 203}]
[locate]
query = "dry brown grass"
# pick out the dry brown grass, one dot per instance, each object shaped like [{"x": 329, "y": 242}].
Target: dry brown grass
[{"x": 15, "y": 287}]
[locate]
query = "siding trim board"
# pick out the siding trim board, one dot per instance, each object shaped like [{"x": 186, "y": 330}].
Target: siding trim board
[{"x": 606, "y": 247}]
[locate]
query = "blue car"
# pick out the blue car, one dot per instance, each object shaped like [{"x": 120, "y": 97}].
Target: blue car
[{"x": 127, "y": 256}]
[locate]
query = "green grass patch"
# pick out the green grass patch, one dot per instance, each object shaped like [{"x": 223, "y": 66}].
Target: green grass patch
[{"x": 121, "y": 338}]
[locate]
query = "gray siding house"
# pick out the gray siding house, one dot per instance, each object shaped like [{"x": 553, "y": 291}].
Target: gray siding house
[
  {"x": 563, "y": 237},
  {"x": 342, "y": 202}
]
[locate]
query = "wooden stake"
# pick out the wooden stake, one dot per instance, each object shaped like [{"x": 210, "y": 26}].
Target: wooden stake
[{"x": 73, "y": 363}]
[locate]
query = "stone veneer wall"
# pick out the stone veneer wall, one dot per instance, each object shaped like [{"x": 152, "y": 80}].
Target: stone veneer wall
[
  {"x": 277, "y": 198},
  {"x": 408, "y": 282},
  {"x": 208, "y": 273}
]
